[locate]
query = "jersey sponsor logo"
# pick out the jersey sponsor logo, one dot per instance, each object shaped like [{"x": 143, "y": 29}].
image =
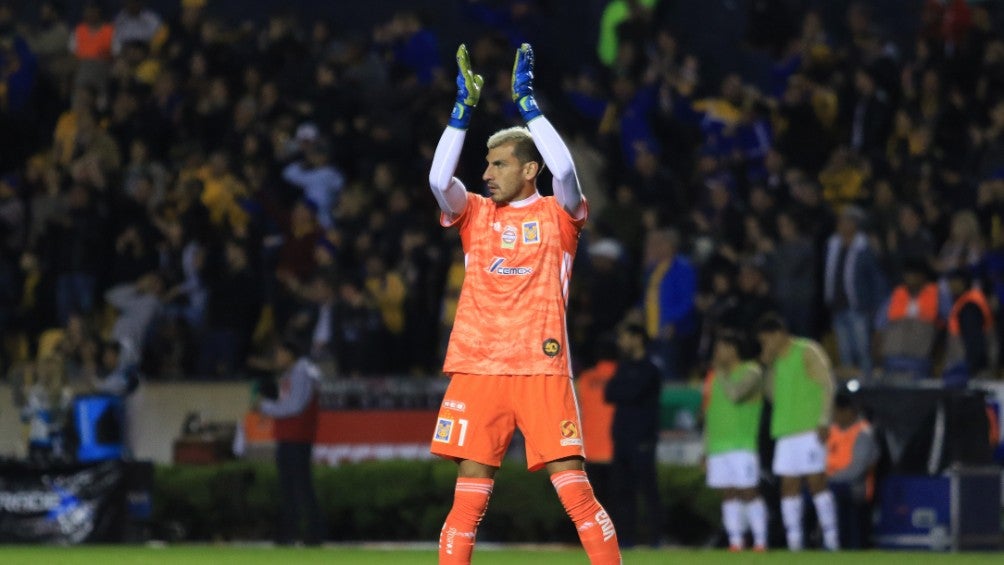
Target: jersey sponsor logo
[
  {"x": 457, "y": 405},
  {"x": 444, "y": 430},
  {"x": 498, "y": 267},
  {"x": 569, "y": 433},
  {"x": 551, "y": 347},
  {"x": 531, "y": 232},
  {"x": 509, "y": 237}
]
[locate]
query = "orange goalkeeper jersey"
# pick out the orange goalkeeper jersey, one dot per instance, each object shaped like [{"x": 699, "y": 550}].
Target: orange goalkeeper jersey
[{"x": 511, "y": 315}]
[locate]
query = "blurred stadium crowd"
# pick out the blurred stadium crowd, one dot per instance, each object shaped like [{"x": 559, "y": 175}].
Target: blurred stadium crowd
[{"x": 184, "y": 189}]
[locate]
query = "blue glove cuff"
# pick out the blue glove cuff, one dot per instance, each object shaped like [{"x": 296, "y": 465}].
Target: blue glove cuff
[
  {"x": 528, "y": 108},
  {"x": 461, "y": 116}
]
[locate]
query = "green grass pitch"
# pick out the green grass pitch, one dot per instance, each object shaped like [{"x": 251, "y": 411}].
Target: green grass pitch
[{"x": 199, "y": 555}]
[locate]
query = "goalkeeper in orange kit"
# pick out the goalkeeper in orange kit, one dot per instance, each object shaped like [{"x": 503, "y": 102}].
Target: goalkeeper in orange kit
[{"x": 508, "y": 353}]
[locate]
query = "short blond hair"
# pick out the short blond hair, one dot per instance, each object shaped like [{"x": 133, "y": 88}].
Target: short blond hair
[{"x": 523, "y": 147}]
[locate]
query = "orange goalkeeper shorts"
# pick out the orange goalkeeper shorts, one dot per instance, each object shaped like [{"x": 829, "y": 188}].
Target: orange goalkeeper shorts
[{"x": 479, "y": 414}]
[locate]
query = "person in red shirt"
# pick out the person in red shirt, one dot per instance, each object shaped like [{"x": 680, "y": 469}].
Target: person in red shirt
[{"x": 508, "y": 352}]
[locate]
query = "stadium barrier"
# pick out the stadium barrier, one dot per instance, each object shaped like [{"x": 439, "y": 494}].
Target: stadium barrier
[{"x": 396, "y": 501}]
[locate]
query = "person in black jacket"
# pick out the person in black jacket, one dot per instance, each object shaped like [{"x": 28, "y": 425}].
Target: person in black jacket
[{"x": 634, "y": 391}]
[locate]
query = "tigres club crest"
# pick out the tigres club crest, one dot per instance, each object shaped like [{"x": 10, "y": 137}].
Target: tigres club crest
[{"x": 531, "y": 232}]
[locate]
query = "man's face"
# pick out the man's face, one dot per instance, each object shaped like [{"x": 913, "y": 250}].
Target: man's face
[
  {"x": 846, "y": 227},
  {"x": 913, "y": 280},
  {"x": 504, "y": 175},
  {"x": 770, "y": 343},
  {"x": 283, "y": 357},
  {"x": 627, "y": 342},
  {"x": 725, "y": 353}
]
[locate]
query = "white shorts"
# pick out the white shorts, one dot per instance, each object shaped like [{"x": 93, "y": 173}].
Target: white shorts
[
  {"x": 799, "y": 455},
  {"x": 734, "y": 469}
]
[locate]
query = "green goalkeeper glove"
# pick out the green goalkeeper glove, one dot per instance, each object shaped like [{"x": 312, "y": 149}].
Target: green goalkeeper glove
[
  {"x": 468, "y": 90},
  {"x": 522, "y": 83}
]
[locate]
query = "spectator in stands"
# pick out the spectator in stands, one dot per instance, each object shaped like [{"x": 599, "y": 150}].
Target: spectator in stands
[
  {"x": 972, "y": 339},
  {"x": 421, "y": 269},
  {"x": 138, "y": 305},
  {"x": 792, "y": 269},
  {"x": 871, "y": 119},
  {"x": 854, "y": 288},
  {"x": 137, "y": 23},
  {"x": 18, "y": 68},
  {"x": 964, "y": 247},
  {"x": 753, "y": 293},
  {"x": 13, "y": 217},
  {"x": 716, "y": 305},
  {"x": 49, "y": 40},
  {"x": 908, "y": 323},
  {"x": 91, "y": 43},
  {"x": 320, "y": 181},
  {"x": 909, "y": 241},
  {"x": 359, "y": 347},
  {"x": 74, "y": 238},
  {"x": 232, "y": 309},
  {"x": 414, "y": 46},
  {"x": 720, "y": 219},
  {"x": 607, "y": 288},
  {"x": 850, "y": 468},
  {"x": 670, "y": 290},
  {"x": 386, "y": 290}
]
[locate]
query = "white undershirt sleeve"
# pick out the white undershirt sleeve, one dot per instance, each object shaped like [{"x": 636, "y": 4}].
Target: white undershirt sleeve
[
  {"x": 556, "y": 156},
  {"x": 450, "y": 193}
]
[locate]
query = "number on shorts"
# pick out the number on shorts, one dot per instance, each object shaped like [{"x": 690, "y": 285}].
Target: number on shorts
[{"x": 463, "y": 431}]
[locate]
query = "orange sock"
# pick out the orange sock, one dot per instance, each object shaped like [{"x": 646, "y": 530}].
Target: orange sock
[
  {"x": 596, "y": 529},
  {"x": 456, "y": 540}
]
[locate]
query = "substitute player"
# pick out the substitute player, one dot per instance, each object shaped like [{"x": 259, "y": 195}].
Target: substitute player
[
  {"x": 508, "y": 352},
  {"x": 731, "y": 426},
  {"x": 800, "y": 384}
]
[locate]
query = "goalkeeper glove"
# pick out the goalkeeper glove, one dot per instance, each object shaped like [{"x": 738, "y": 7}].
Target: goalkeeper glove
[
  {"x": 468, "y": 90},
  {"x": 522, "y": 83}
]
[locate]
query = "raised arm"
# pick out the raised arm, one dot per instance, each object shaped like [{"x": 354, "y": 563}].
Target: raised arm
[
  {"x": 556, "y": 156},
  {"x": 567, "y": 191},
  {"x": 450, "y": 193}
]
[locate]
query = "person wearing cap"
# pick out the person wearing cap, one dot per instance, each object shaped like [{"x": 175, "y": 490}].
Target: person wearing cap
[
  {"x": 971, "y": 340},
  {"x": 908, "y": 324},
  {"x": 734, "y": 400},
  {"x": 295, "y": 412},
  {"x": 319, "y": 180},
  {"x": 853, "y": 290},
  {"x": 850, "y": 468},
  {"x": 800, "y": 385},
  {"x": 605, "y": 286}
]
